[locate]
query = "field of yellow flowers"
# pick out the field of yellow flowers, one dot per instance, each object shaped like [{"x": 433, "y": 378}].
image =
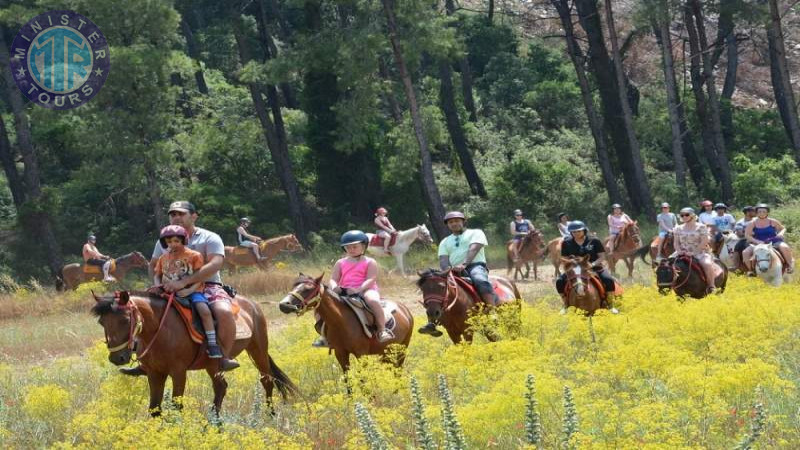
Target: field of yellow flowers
[{"x": 712, "y": 373}]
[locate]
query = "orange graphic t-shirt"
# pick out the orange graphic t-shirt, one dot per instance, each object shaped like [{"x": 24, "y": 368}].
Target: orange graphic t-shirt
[{"x": 174, "y": 266}]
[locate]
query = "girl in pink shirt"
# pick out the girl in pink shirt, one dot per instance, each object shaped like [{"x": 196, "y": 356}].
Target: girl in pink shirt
[{"x": 356, "y": 274}]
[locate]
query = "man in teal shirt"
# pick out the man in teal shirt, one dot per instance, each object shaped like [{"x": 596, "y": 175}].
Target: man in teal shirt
[{"x": 463, "y": 253}]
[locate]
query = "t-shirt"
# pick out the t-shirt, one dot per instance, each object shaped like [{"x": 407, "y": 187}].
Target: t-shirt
[
  {"x": 591, "y": 246},
  {"x": 666, "y": 221},
  {"x": 174, "y": 266},
  {"x": 690, "y": 241},
  {"x": 724, "y": 222},
  {"x": 741, "y": 225},
  {"x": 206, "y": 242},
  {"x": 456, "y": 246},
  {"x": 706, "y": 218}
]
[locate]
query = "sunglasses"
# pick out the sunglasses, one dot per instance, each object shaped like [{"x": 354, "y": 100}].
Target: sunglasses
[
  {"x": 686, "y": 215},
  {"x": 458, "y": 240}
]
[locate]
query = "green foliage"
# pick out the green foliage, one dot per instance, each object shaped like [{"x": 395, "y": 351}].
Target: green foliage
[
  {"x": 374, "y": 438},
  {"x": 453, "y": 434},
  {"x": 421, "y": 427},
  {"x": 570, "y": 424},
  {"x": 767, "y": 180},
  {"x": 757, "y": 426},
  {"x": 533, "y": 423}
]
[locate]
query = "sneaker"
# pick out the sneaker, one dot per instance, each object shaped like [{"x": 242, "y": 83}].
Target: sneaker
[
  {"x": 614, "y": 311},
  {"x": 563, "y": 311},
  {"x": 109, "y": 279},
  {"x": 228, "y": 364},
  {"x": 321, "y": 342},
  {"x": 430, "y": 328},
  {"x": 214, "y": 352},
  {"x": 385, "y": 336},
  {"x": 710, "y": 290}
]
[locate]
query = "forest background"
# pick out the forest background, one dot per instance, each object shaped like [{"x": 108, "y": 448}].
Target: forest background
[{"x": 306, "y": 115}]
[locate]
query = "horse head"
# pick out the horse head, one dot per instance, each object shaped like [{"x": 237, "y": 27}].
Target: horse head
[
  {"x": 138, "y": 260},
  {"x": 632, "y": 230},
  {"x": 436, "y": 293},
  {"x": 665, "y": 276},
  {"x": 293, "y": 245},
  {"x": 305, "y": 294},
  {"x": 114, "y": 315},
  {"x": 762, "y": 255},
  {"x": 423, "y": 234},
  {"x": 574, "y": 268}
]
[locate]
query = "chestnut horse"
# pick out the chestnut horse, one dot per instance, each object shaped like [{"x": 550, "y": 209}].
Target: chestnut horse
[
  {"x": 685, "y": 276},
  {"x": 666, "y": 250},
  {"x": 165, "y": 348},
  {"x": 72, "y": 274},
  {"x": 553, "y": 250},
  {"x": 268, "y": 249},
  {"x": 343, "y": 330},
  {"x": 447, "y": 303},
  {"x": 580, "y": 289},
  {"x": 531, "y": 251},
  {"x": 628, "y": 242}
]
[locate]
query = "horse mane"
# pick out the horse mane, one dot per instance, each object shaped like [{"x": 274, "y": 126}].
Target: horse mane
[
  {"x": 105, "y": 303},
  {"x": 278, "y": 238},
  {"x": 429, "y": 273}
]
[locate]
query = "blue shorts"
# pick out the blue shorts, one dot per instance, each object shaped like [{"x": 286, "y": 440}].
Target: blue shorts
[
  {"x": 663, "y": 234},
  {"x": 197, "y": 297}
]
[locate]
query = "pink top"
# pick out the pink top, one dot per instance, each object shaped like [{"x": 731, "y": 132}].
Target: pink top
[
  {"x": 615, "y": 224},
  {"x": 353, "y": 274}
]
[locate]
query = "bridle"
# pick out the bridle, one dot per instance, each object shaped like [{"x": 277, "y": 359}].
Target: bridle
[
  {"x": 422, "y": 236},
  {"x": 448, "y": 300},
  {"x": 311, "y": 299},
  {"x": 575, "y": 280},
  {"x": 768, "y": 259},
  {"x": 136, "y": 324}
]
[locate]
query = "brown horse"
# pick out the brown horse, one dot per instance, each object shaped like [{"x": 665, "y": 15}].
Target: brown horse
[
  {"x": 531, "y": 251},
  {"x": 582, "y": 290},
  {"x": 666, "y": 250},
  {"x": 553, "y": 250},
  {"x": 628, "y": 242},
  {"x": 236, "y": 257},
  {"x": 447, "y": 303},
  {"x": 72, "y": 274},
  {"x": 166, "y": 349},
  {"x": 685, "y": 276},
  {"x": 343, "y": 330}
]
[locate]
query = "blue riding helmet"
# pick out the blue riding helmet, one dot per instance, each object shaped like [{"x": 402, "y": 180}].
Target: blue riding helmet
[
  {"x": 576, "y": 225},
  {"x": 353, "y": 237}
]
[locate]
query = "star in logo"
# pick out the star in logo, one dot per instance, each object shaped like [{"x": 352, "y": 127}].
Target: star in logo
[
  {"x": 20, "y": 72},
  {"x": 98, "y": 72}
]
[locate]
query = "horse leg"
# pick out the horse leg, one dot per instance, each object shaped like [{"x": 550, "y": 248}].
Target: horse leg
[
  {"x": 343, "y": 357},
  {"x": 220, "y": 387},
  {"x": 399, "y": 258},
  {"x": 261, "y": 361},
  {"x": 156, "y": 383},
  {"x": 527, "y": 270},
  {"x": 629, "y": 262},
  {"x": 178, "y": 386}
]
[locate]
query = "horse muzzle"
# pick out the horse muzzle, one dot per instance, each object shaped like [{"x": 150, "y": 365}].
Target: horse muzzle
[
  {"x": 120, "y": 358},
  {"x": 287, "y": 307}
]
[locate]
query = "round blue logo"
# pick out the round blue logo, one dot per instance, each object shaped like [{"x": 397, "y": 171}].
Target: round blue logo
[{"x": 60, "y": 59}]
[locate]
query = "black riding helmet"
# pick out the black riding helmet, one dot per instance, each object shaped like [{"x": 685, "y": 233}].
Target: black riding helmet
[{"x": 576, "y": 225}]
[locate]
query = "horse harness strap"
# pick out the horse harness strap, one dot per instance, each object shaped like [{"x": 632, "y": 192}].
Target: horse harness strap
[
  {"x": 451, "y": 286},
  {"x": 693, "y": 265},
  {"x": 136, "y": 327}
]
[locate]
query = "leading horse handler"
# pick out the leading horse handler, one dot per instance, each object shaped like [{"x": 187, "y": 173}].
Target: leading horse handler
[{"x": 210, "y": 245}]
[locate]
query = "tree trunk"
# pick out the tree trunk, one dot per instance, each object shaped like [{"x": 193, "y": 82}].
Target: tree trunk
[
  {"x": 728, "y": 87},
  {"x": 191, "y": 47},
  {"x": 726, "y": 183},
  {"x": 595, "y": 121},
  {"x": 781, "y": 80},
  {"x": 466, "y": 73},
  {"x": 661, "y": 29},
  {"x": 612, "y": 99},
  {"x": 644, "y": 200},
  {"x": 490, "y": 16},
  {"x": 275, "y": 135},
  {"x": 448, "y": 105},
  {"x": 430, "y": 190},
  {"x": 264, "y": 9},
  {"x": 388, "y": 93},
  {"x": 154, "y": 193},
  {"x": 15, "y": 184},
  {"x": 32, "y": 212}
]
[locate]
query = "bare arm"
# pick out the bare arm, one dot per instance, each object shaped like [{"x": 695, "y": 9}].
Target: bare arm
[
  {"x": 444, "y": 262},
  {"x": 779, "y": 227},
  {"x": 372, "y": 277},
  {"x": 244, "y": 233},
  {"x": 748, "y": 233},
  {"x": 212, "y": 266},
  {"x": 151, "y": 268},
  {"x": 473, "y": 250},
  {"x": 336, "y": 275}
]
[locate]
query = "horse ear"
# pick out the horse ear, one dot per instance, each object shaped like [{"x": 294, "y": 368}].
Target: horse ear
[
  {"x": 124, "y": 296},
  {"x": 319, "y": 278},
  {"x": 96, "y": 297}
]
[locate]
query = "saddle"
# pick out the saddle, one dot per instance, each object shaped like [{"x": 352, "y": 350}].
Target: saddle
[
  {"x": 195, "y": 326},
  {"x": 503, "y": 293},
  {"x": 92, "y": 269},
  {"x": 377, "y": 241},
  {"x": 365, "y": 315},
  {"x": 239, "y": 250}
]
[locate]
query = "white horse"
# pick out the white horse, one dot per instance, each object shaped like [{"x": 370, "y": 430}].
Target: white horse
[
  {"x": 727, "y": 255},
  {"x": 404, "y": 240},
  {"x": 768, "y": 264}
]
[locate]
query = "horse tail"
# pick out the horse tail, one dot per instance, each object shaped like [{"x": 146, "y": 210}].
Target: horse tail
[
  {"x": 282, "y": 381},
  {"x": 60, "y": 280},
  {"x": 642, "y": 252}
]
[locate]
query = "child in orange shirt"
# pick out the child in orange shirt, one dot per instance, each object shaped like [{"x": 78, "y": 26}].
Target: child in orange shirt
[{"x": 180, "y": 262}]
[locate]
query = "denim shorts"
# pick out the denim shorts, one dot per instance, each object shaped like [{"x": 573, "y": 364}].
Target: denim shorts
[
  {"x": 480, "y": 278},
  {"x": 197, "y": 297},
  {"x": 663, "y": 234}
]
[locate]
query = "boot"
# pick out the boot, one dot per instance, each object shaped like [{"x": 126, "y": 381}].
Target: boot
[
  {"x": 610, "y": 303},
  {"x": 321, "y": 342},
  {"x": 228, "y": 364},
  {"x": 214, "y": 351},
  {"x": 430, "y": 328},
  {"x": 385, "y": 336},
  {"x": 136, "y": 371}
]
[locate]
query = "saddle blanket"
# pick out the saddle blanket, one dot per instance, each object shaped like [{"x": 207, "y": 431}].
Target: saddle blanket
[
  {"x": 364, "y": 314},
  {"x": 238, "y": 250},
  {"x": 195, "y": 326},
  {"x": 377, "y": 241},
  {"x": 504, "y": 293},
  {"x": 89, "y": 268}
]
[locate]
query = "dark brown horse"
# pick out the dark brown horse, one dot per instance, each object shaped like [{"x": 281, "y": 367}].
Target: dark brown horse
[
  {"x": 73, "y": 274},
  {"x": 165, "y": 348},
  {"x": 685, "y": 276},
  {"x": 343, "y": 330},
  {"x": 531, "y": 251},
  {"x": 627, "y": 243},
  {"x": 448, "y": 303},
  {"x": 582, "y": 290},
  {"x": 236, "y": 257}
]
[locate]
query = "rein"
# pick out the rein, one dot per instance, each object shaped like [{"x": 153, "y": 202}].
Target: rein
[
  {"x": 691, "y": 265},
  {"x": 136, "y": 327},
  {"x": 451, "y": 286}
]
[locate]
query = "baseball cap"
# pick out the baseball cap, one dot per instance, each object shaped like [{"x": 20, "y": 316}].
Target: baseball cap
[{"x": 182, "y": 206}]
